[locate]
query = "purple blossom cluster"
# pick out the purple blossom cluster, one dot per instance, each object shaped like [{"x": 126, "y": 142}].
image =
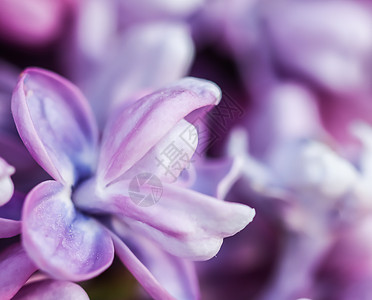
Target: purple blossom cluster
[{"x": 200, "y": 149}]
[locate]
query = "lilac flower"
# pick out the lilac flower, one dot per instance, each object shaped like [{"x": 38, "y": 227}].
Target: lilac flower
[{"x": 63, "y": 223}]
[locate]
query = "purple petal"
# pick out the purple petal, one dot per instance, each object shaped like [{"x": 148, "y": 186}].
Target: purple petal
[
  {"x": 216, "y": 177},
  {"x": 139, "y": 271},
  {"x": 47, "y": 109},
  {"x": 16, "y": 267},
  {"x": 176, "y": 275},
  {"x": 284, "y": 111},
  {"x": 184, "y": 222},
  {"x": 9, "y": 228},
  {"x": 156, "y": 163},
  {"x": 6, "y": 184},
  {"x": 89, "y": 46},
  {"x": 51, "y": 289},
  {"x": 338, "y": 117},
  {"x": 136, "y": 129},
  {"x": 62, "y": 241}
]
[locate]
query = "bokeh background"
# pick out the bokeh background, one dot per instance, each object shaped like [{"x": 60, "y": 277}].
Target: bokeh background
[{"x": 296, "y": 113}]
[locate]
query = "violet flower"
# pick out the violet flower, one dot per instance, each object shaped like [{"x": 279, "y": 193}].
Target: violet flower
[{"x": 62, "y": 230}]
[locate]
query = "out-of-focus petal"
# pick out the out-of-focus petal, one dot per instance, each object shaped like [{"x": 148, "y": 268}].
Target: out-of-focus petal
[
  {"x": 148, "y": 9},
  {"x": 55, "y": 123},
  {"x": 132, "y": 132},
  {"x": 146, "y": 57},
  {"x": 110, "y": 64},
  {"x": 90, "y": 45},
  {"x": 313, "y": 38},
  {"x": 216, "y": 177},
  {"x": 62, "y": 241},
  {"x": 6, "y": 184},
  {"x": 183, "y": 222},
  {"x": 151, "y": 56},
  {"x": 51, "y": 289},
  {"x": 9, "y": 228},
  {"x": 284, "y": 111},
  {"x": 338, "y": 117},
  {"x": 364, "y": 133},
  {"x": 313, "y": 168},
  {"x": 31, "y": 23},
  {"x": 96, "y": 26},
  {"x": 16, "y": 267},
  {"x": 256, "y": 175},
  {"x": 176, "y": 275}
]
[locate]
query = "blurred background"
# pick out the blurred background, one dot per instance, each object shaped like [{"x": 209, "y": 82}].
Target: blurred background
[{"x": 296, "y": 113}]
